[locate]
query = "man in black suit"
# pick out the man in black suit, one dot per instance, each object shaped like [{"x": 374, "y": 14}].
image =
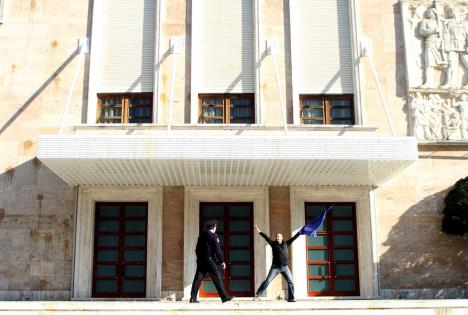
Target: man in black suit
[{"x": 209, "y": 258}]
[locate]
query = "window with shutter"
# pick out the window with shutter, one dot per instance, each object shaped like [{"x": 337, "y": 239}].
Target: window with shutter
[
  {"x": 124, "y": 73},
  {"x": 128, "y": 32}
]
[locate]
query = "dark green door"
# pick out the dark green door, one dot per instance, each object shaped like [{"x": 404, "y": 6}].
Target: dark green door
[
  {"x": 332, "y": 256},
  {"x": 120, "y": 250},
  {"x": 235, "y": 230}
]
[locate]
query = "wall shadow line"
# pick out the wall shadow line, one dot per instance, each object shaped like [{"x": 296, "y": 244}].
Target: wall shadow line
[{"x": 38, "y": 91}]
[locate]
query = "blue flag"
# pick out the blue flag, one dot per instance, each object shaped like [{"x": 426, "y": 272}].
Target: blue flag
[{"x": 312, "y": 227}]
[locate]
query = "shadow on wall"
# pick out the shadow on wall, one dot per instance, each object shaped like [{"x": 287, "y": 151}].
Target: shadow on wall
[
  {"x": 36, "y": 232},
  {"x": 421, "y": 256},
  {"x": 41, "y": 88},
  {"x": 288, "y": 61},
  {"x": 400, "y": 71},
  {"x": 188, "y": 68},
  {"x": 87, "y": 63},
  {"x": 400, "y": 64}
]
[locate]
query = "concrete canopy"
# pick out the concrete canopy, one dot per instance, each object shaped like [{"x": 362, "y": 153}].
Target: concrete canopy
[{"x": 174, "y": 160}]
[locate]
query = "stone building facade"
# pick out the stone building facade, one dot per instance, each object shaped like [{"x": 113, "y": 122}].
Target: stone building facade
[{"x": 386, "y": 156}]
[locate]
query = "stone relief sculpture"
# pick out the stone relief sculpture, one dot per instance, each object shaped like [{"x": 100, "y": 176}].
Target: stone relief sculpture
[
  {"x": 421, "y": 126},
  {"x": 453, "y": 126},
  {"x": 455, "y": 45},
  {"x": 431, "y": 30},
  {"x": 444, "y": 35},
  {"x": 437, "y": 118},
  {"x": 462, "y": 106},
  {"x": 436, "y": 46},
  {"x": 435, "y": 105}
]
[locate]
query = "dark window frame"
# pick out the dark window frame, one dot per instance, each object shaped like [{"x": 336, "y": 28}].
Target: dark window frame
[
  {"x": 330, "y": 262},
  {"x": 326, "y": 107},
  {"x": 226, "y": 97},
  {"x": 125, "y": 107}
]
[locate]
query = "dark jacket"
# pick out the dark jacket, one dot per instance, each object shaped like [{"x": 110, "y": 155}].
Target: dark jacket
[
  {"x": 280, "y": 251},
  {"x": 208, "y": 247}
]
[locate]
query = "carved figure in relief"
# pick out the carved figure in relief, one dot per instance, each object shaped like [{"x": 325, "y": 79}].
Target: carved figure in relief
[
  {"x": 453, "y": 126},
  {"x": 454, "y": 45},
  {"x": 421, "y": 126},
  {"x": 462, "y": 106},
  {"x": 437, "y": 118},
  {"x": 445, "y": 111},
  {"x": 434, "y": 115},
  {"x": 431, "y": 30}
]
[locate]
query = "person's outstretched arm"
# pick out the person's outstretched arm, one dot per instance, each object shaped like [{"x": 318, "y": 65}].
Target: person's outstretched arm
[
  {"x": 292, "y": 239},
  {"x": 269, "y": 241}
]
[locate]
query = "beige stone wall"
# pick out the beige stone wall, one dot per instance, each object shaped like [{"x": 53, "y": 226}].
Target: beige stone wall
[
  {"x": 280, "y": 222},
  {"x": 414, "y": 252},
  {"x": 36, "y": 230},
  {"x": 173, "y": 242},
  {"x": 272, "y": 16},
  {"x": 41, "y": 41},
  {"x": 37, "y": 64},
  {"x": 41, "y": 37},
  {"x": 380, "y": 21},
  {"x": 175, "y": 22}
]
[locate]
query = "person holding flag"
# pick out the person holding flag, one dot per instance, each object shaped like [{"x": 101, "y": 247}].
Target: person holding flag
[
  {"x": 279, "y": 265},
  {"x": 279, "y": 248}
]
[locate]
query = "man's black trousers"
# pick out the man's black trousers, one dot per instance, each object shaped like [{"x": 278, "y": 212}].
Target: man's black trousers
[{"x": 208, "y": 266}]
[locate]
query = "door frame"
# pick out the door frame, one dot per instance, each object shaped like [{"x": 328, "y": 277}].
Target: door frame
[
  {"x": 194, "y": 195},
  {"x": 365, "y": 228},
  {"x": 84, "y": 236}
]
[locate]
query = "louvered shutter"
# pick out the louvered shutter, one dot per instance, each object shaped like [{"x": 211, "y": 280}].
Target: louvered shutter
[
  {"x": 324, "y": 47},
  {"x": 128, "y": 46},
  {"x": 226, "y": 46}
]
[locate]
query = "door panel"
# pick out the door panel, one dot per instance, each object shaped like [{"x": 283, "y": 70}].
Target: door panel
[
  {"x": 235, "y": 231},
  {"x": 332, "y": 255},
  {"x": 120, "y": 250}
]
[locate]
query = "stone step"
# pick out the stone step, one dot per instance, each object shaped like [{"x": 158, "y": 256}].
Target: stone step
[{"x": 240, "y": 306}]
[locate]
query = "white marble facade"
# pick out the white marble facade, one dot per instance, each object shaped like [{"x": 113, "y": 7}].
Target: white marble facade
[{"x": 436, "y": 49}]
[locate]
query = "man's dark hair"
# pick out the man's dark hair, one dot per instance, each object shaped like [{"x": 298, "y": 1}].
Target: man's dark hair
[{"x": 210, "y": 226}]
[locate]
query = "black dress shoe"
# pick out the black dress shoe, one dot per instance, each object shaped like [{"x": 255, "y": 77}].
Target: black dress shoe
[
  {"x": 228, "y": 299},
  {"x": 292, "y": 300},
  {"x": 193, "y": 300}
]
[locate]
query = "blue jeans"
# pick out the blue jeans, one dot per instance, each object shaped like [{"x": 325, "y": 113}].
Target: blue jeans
[{"x": 274, "y": 271}]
